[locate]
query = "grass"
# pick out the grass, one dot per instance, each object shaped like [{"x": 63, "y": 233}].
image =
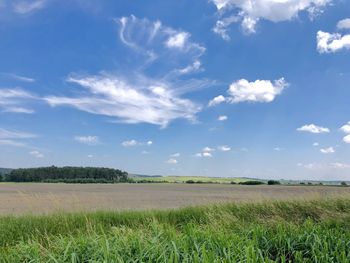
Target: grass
[{"x": 290, "y": 231}]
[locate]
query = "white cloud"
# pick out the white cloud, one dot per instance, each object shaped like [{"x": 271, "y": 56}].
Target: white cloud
[
  {"x": 327, "y": 150},
  {"x": 277, "y": 149},
  {"x": 257, "y": 91},
  {"x": 25, "y": 7},
  {"x": 156, "y": 41},
  {"x": 172, "y": 161},
  {"x": 208, "y": 149},
  {"x": 143, "y": 102},
  {"x": 8, "y": 134},
  {"x": 323, "y": 166},
  {"x": 90, "y": 140},
  {"x": 90, "y": 156},
  {"x": 313, "y": 129},
  {"x": 18, "y": 110},
  {"x": 332, "y": 42},
  {"x": 149, "y": 143},
  {"x": 344, "y": 24},
  {"x": 36, "y": 154},
  {"x": 134, "y": 96},
  {"x": 315, "y": 144},
  {"x": 224, "y": 148},
  {"x": 177, "y": 40},
  {"x": 175, "y": 155},
  {"x": 346, "y": 128},
  {"x": 217, "y": 100},
  {"x": 222, "y": 118},
  {"x": 130, "y": 143},
  {"x": 346, "y": 139},
  {"x": 18, "y": 77},
  {"x": 249, "y": 12},
  {"x": 12, "y": 100},
  {"x": 340, "y": 165},
  {"x": 204, "y": 154}
]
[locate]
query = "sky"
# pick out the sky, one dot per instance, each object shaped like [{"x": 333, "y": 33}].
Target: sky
[{"x": 232, "y": 88}]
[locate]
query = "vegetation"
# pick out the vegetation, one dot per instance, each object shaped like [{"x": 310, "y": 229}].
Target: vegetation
[
  {"x": 67, "y": 174},
  {"x": 252, "y": 182},
  {"x": 273, "y": 182},
  {"x": 308, "y": 231}
]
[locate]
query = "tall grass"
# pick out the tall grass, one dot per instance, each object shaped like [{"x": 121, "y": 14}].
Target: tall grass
[{"x": 298, "y": 231}]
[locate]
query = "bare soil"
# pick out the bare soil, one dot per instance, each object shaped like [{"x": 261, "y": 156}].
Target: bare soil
[{"x": 40, "y": 198}]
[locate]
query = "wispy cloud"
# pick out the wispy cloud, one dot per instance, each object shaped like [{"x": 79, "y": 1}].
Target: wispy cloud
[
  {"x": 172, "y": 161},
  {"x": 12, "y": 100},
  {"x": 327, "y": 150},
  {"x": 14, "y": 138},
  {"x": 131, "y": 143},
  {"x": 36, "y": 154},
  {"x": 136, "y": 97},
  {"x": 29, "y": 6},
  {"x": 18, "y": 77}
]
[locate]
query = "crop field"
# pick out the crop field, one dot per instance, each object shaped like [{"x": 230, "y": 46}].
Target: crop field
[
  {"x": 183, "y": 179},
  {"x": 40, "y": 198}
]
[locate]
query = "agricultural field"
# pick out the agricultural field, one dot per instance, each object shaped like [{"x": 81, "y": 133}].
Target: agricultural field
[
  {"x": 39, "y": 198},
  {"x": 184, "y": 179}
]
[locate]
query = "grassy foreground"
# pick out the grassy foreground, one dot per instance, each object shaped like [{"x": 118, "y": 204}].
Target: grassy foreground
[{"x": 294, "y": 231}]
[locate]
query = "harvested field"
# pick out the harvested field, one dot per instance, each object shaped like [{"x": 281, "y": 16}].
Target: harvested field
[{"x": 39, "y": 198}]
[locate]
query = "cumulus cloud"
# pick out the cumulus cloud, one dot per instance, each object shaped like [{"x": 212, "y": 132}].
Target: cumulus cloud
[
  {"x": 222, "y": 118},
  {"x": 204, "y": 154},
  {"x": 313, "y": 129},
  {"x": 217, "y": 100},
  {"x": 346, "y": 129},
  {"x": 256, "y": 91},
  {"x": 327, "y": 150},
  {"x": 332, "y": 42},
  {"x": 346, "y": 139},
  {"x": 90, "y": 140},
  {"x": 224, "y": 148},
  {"x": 315, "y": 144},
  {"x": 343, "y": 24},
  {"x": 175, "y": 155},
  {"x": 12, "y": 101},
  {"x": 135, "y": 97},
  {"x": 249, "y": 12},
  {"x": 172, "y": 161},
  {"x": 208, "y": 149},
  {"x": 36, "y": 154}
]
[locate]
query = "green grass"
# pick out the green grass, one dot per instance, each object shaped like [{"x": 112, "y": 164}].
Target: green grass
[{"x": 293, "y": 231}]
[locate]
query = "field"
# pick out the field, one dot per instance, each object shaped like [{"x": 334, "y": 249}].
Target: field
[
  {"x": 284, "y": 231},
  {"x": 211, "y": 223},
  {"x": 183, "y": 179},
  {"x": 38, "y": 198}
]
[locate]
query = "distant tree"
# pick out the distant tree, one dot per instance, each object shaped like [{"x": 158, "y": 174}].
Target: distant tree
[
  {"x": 190, "y": 182},
  {"x": 252, "y": 182},
  {"x": 233, "y": 182},
  {"x": 67, "y": 174},
  {"x": 343, "y": 184},
  {"x": 273, "y": 182}
]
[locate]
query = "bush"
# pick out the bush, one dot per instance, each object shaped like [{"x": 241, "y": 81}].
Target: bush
[
  {"x": 190, "y": 182},
  {"x": 252, "y": 183},
  {"x": 343, "y": 184},
  {"x": 273, "y": 182},
  {"x": 233, "y": 182}
]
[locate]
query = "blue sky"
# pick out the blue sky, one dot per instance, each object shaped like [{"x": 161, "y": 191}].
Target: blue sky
[{"x": 217, "y": 88}]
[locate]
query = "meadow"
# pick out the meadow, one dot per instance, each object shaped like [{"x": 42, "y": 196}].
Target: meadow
[{"x": 270, "y": 231}]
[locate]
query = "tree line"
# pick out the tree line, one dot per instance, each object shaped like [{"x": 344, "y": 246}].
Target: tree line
[{"x": 67, "y": 174}]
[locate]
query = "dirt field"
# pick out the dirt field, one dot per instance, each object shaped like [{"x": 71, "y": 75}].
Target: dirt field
[{"x": 46, "y": 198}]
